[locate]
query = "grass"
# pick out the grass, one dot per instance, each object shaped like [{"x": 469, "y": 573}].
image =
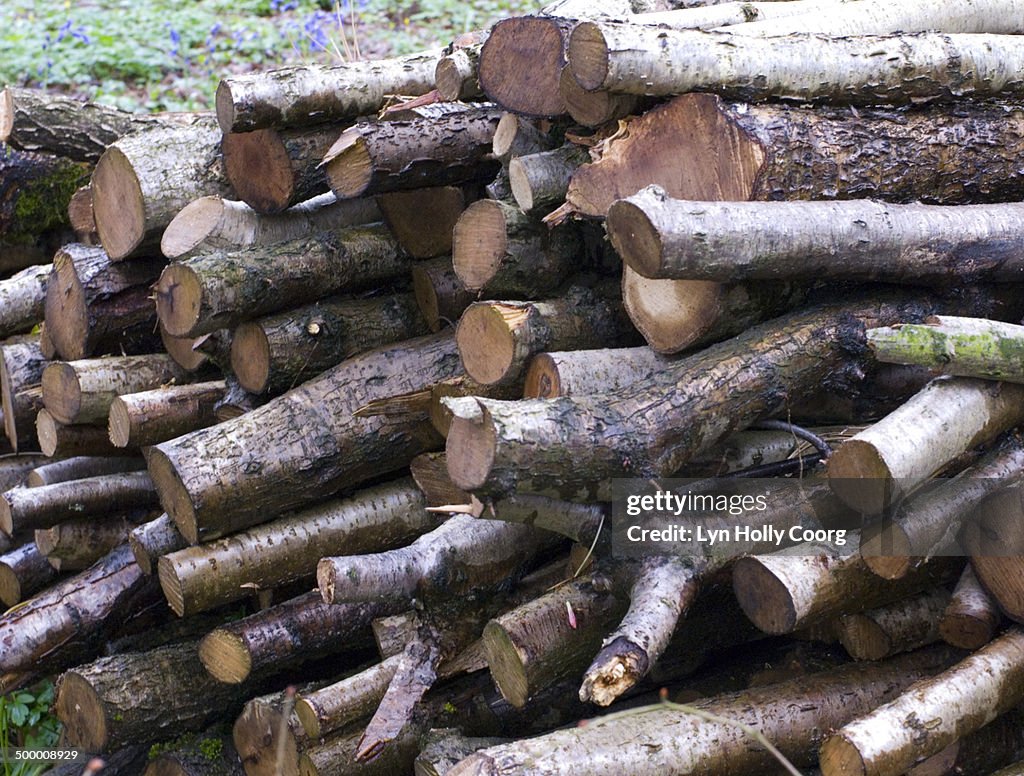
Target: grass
[{"x": 170, "y": 54}]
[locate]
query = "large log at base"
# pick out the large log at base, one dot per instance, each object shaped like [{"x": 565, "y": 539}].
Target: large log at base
[
  {"x": 658, "y": 237},
  {"x": 287, "y": 550},
  {"x": 297, "y": 630},
  {"x": 971, "y": 619},
  {"x": 150, "y": 417},
  {"x": 221, "y": 289},
  {"x": 886, "y": 461},
  {"x": 898, "y": 627},
  {"x": 213, "y": 223},
  {"x": 143, "y": 180},
  {"x": 21, "y": 372},
  {"x": 79, "y": 467},
  {"x": 304, "y": 96},
  {"x": 422, "y": 220},
  {"x": 141, "y": 697},
  {"x": 151, "y": 541},
  {"x": 668, "y": 740},
  {"x": 70, "y": 622},
  {"x": 868, "y": 70},
  {"x": 23, "y": 572},
  {"x": 27, "y": 508},
  {"x": 93, "y": 303},
  {"x": 276, "y": 353},
  {"x": 82, "y": 391},
  {"x": 23, "y": 299},
  {"x": 74, "y": 545},
  {"x": 398, "y": 155},
  {"x": 955, "y": 703},
  {"x": 58, "y": 440},
  {"x": 439, "y": 291}
]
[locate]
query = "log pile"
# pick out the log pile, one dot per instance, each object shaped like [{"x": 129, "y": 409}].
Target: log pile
[{"x": 313, "y": 408}]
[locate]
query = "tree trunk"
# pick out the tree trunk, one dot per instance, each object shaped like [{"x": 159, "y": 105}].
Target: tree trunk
[
  {"x": 21, "y": 372},
  {"x": 143, "y": 180},
  {"x": 972, "y": 617},
  {"x": 809, "y": 583},
  {"x": 422, "y": 220},
  {"x": 94, "y": 305},
  {"x": 995, "y": 541},
  {"x": 23, "y": 509},
  {"x": 276, "y": 353},
  {"x": 151, "y": 541},
  {"x": 24, "y": 572},
  {"x": 150, "y": 417},
  {"x": 335, "y": 706},
  {"x": 673, "y": 741},
  {"x": 400, "y": 155},
  {"x": 23, "y": 299},
  {"x": 898, "y": 627},
  {"x": 291, "y": 632},
  {"x": 302, "y": 446},
  {"x": 203, "y": 577},
  {"x": 222, "y": 289},
  {"x": 82, "y": 391},
  {"x": 80, "y": 467},
  {"x": 887, "y": 461},
  {"x": 498, "y": 250},
  {"x": 440, "y": 294},
  {"x": 539, "y": 181},
  {"x": 141, "y": 697},
  {"x": 74, "y": 545},
  {"x": 497, "y": 339},
  {"x": 70, "y": 622},
  {"x": 304, "y": 96},
  {"x": 59, "y": 441},
  {"x": 455, "y": 74},
  {"x": 957, "y": 702},
  {"x": 660, "y": 237}
]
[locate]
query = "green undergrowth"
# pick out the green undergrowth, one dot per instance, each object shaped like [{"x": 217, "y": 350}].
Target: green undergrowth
[{"x": 27, "y": 721}]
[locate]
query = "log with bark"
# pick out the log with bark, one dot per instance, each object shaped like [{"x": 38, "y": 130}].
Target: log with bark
[
  {"x": 305, "y": 96},
  {"x": 15, "y": 469},
  {"x": 143, "y": 180},
  {"x": 23, "y": 299},
  {"x": 422, "y": 219},
  {"x": 149, "y": 417},
  {"x": 81, "y": 218},
  {"x": 21, "y": 373},
  {"x": 594, "y": 109},
  {"x": 539, "y": 181},
  {"x": 154, "y": 539},
  {"x": 276, "y": 353},
  {"x": 994, "y": 539},
  {"x": 58, "y": 440},
  {"x": 517, "y": 136},
  {"x": 74, "y": 545},
  {"x": 79, "y": 467},
  {"x": 24, "y": 571},
  {"x": 203, "y": 756},
  {"x": 455, "y": 74},
  {"x": 582, "y": 372},
  {"x": 898, "y": 627},
  {"x": 333, "y": 707},
  {"x": 955, "y": 703},
  {"x": 385, "y": 156},
  {"x": 443, "y": 748},
  {"x": 287, "y": 550},
  {"x": 94, "y": 305},
  {"x": 224, "y": 288},
  {"x": 193, "y": 353},
  {"x": 439, "y": 292}
]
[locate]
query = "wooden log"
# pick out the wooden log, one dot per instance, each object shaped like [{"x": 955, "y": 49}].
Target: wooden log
[
  {"x": 93, "y": 304},
  {"x": 439, "y": 292},
  {"x": 24, "y": 571},
  {"x": 898, "y": 627},
  {"x": 79, "y": 467},
  {"x": 443, "y": 748},
  {"x": 971, "y": 619},
  {"x": 199, "y": 578},
  {"x": 724, "y": 13},
  {"x": 193, "y": 353},
  {"x": 141, "y": 697},
  {"x": 70, "y": 622},
  {"x": 221, "y": 289},
  {"x": 304, "y": 96},
  {"x": 82, "y": 391},
  {"x": 993, "y": 746},
  {"x": 334, "y": 706},
  {"x": 74, "y": 545},
  {"x": 455, "y": 74},
  {"x": 61, "y": 441},
  {"x": 994, "y": 539},
  {"x": 539, "y": 181},
  {"x": 152, "y": 540},
  {"x": 43, "y": 507},
  {"x": 956, "y": 703},
  {"x": 808, "y": 583},
  {"x": 302, "y": 446},
  {"x": 597, "y": 108},
  {"x": 276, "y": 353},
  {"x": 913, "y": 243},
  {"x": 582, "y": 372},
  {"x": 150, "y": 417},
  {"x": 386, "y": 156},
  {"x": 297, "y": 630},
  {"x": 23, "y": 299},
  {"x": 205, "y": 756},
  {"x": 669, "y": 740},
  {"x": 517, "y": 136},
  {"x": 143, "y": 180},
  {"x": 888, "y": 460},
  {"x": 21, "y": 372},
  {"x": 15, "y": 469},
  {"x": 422, "y": 220},
  {"x": 81, "y": 218}
]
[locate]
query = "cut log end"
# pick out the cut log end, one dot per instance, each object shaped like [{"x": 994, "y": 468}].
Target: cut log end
[
  {"x": 62, "y": 392},
  {"x": 588, "y": 55},
  {"x": 840, "y": 756},
  {"x": 763, "y": 597},
  {"x": 326, "y": 580},
  {"x": 592, "y": 109},
  {"x": 618, "y": 668},
  {"x": 171, "y": 586},
  {"x": 7, "y": 404},
  {"x": 259, "y": 169},
  {"x": 83, "y": 713},
  {"x": 671, "y": 314},
  {"x": 542, "y": 379},
  {"x": 470, "y": 451},
  {"x": 350, "y": 171},
  {"x": 6, "y": 516},
  {"x": 191, "y": 226},
  {"x": 6, "y": 115},
  {"x": 174, "y": 495},
  {"x": 486, "y": 341},
  {"x": 965, "y": 632},
  {"x": 505, "y": 134},
  {"x": 48, "y": 433},
  {"x": 183, "y": 351},
  {"x": 448, "y": 77},
  {"x": 863, "y": 638},
  {"x": 225, "y": 657},
  {"x": 119, "y": 425},
  {"x": 886, "y": 551},
  {"x": 66, "y": 309},
  {"x": 521, "y": 45},
  {"x": 118, "y": 204},
  {"x": 10, "y": 586},
  {"x": 178, "y": 299},
  {"x": 224, "y": 104},
  {"x": 506, "y": 664},
  {"x": 635, "y": 238},
  {"x": 520, "y": 183},
  {"x": 308, "y": 718},
  {"x": 860, "y": 477},
  {"x": 250, "y": 357},
  {"x": 479, "y": 243}
]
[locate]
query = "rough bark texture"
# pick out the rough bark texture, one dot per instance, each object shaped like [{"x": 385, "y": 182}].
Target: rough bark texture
[
  {"x": 957, "y": 702},
  {"x": 151, "y": 541},
  {"x": 539, "y": 181},
  {"x": 888, "y": 460},
  {"x": 79, "y": 467},
  {"x": 898, "y": 627},
  {"x": 334, "y": 706},
  {"x": 456, "y": 72},
  {"x": 150, "y": 417},
  {"x": 400, "y": 155},
  {"x": 23, "y": 299},
  {"x": 143, "y": 180},
  {"x": 972, "y": 617},
  {"x": 287, "y": 550},
  {"x": 658, "y": 740},
  {"x": 205, "y": 756},
  {"x": 94, "y": 305},
  {"x": 21, "y": 373},
  {"x": 443, "y": 748},
  {"x": 422, "y": 219},
  {"x": 74, "y": 545},
  {"x": 222, "y": 289},
  {"x": 59, "y": 441},
  {"x": 303, "y": 96},
  {"x": 439, "y": 291},
  {"x": 276, "y": 353},
  {"x": 582, "y": 372},
  {"x": 23, "y": 572}
]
